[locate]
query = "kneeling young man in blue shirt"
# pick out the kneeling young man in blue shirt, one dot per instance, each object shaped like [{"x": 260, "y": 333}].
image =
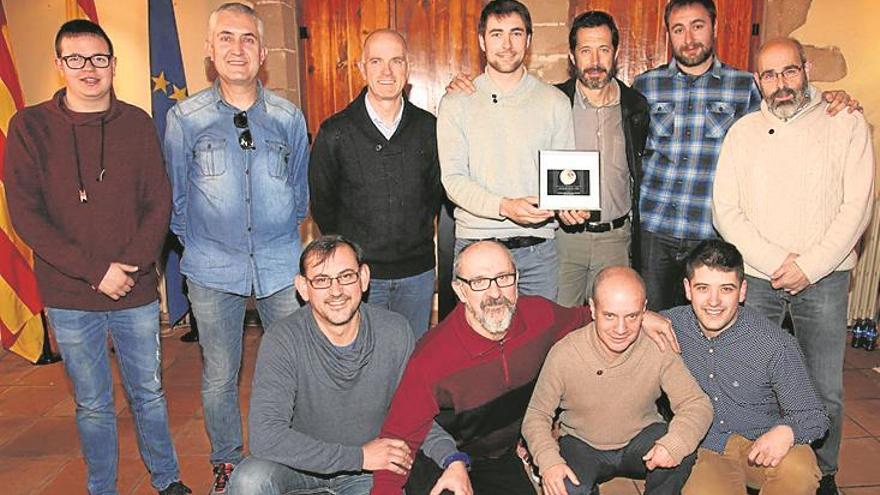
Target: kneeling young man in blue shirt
[{"x": 766, "y": 408}]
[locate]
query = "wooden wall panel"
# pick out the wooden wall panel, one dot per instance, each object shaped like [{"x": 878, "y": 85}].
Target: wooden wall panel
[
  {"x": 643, "y": 43},
  {"x": 734, "y": 35},
  {"x": 442, "y": 38},
  {"x": 336, "y": 31}
]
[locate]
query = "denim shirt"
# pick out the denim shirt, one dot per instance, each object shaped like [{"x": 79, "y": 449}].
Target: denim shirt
[{"x": 237, "y": 212}]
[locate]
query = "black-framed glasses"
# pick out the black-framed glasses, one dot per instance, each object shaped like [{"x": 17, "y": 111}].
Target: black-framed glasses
[
  {"x": 482, "y": 283},
  {"x": 789, "y": 73},
  {"x": 77, "y": 61},
  {"x": 245, "y": 138},
  {"x": 347, "y": 277}
]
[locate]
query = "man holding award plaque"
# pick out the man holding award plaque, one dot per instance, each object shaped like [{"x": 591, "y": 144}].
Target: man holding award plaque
[
  {"x": 489, "y": 142},
  {"x": 612, "y": 119}
]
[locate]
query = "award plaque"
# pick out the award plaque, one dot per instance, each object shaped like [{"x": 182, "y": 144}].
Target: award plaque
[{"x": 569, "y": 180}]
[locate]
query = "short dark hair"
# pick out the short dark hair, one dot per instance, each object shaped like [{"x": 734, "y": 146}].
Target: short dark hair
[
  {"x": 503, "y": 8},
  {"x": 323, "y": 247},
  {"x": 592, "y": 19},
  {"x": 715, "y": 254},
  {"x": 709, "y": 5},
  {"x": 80, "y": 27}
]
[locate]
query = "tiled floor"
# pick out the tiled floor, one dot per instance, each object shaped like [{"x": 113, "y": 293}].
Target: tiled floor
[{"x": 39, "y": 452}]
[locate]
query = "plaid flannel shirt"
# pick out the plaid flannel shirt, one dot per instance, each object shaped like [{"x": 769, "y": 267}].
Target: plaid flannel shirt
[{"x": 689, "y": 118}]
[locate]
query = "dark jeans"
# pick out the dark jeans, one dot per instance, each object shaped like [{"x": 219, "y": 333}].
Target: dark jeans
[
  {"x": 598, "y": 466},
  {"x": 818, "y": 316},
  {"x": 663, "y": 270},
  {"x": 504, "y": 475}
]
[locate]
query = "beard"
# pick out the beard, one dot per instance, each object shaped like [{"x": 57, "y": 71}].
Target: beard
[
  {"x": 500, "y": 323},
  {"x": 788, "y": 108},
  {"x": 505, "y": 65},
  {"x": 701, "y": 56},
  {"x": 598, "y": 80}
]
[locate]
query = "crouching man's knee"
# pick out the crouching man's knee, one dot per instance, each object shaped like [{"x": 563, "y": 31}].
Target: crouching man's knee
[
  {"x": 797, "y": 473},
  {"x": 255, "y": 476}
]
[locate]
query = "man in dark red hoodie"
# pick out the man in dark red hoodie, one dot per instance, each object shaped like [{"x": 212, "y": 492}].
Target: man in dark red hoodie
[{"x": 87, "y": 190}]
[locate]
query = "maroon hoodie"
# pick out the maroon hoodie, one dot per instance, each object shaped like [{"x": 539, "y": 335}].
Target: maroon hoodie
[{"x": 52, "y": 153}]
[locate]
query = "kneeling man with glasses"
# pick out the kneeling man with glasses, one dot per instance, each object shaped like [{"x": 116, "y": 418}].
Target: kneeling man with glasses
[{"x": 325, "y": 376}]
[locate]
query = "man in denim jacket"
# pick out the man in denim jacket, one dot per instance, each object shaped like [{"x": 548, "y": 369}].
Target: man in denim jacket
[{"x": 237, "y": 156}]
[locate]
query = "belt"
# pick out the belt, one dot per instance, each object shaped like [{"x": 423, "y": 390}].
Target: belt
[
  {"x": 521, "y": 242},
  {"x": 605, "y": 227}
]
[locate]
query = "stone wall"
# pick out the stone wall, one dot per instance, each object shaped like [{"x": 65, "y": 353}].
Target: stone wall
[
  {"x": 282, "y": 39},
  {"x": 549, "y": 54}
]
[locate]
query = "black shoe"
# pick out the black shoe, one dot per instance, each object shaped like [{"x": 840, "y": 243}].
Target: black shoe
[
  {"x": 827, "y": 486},
  {"x": 221, "y": 478},
  {"x": 176, "y": 488}
]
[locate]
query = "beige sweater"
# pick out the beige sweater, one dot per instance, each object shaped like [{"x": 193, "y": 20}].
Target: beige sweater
[
  {"x": 488, "y": 148},
  {"x": 802, "y": 186},
  {"x": 607, "y": 404}
]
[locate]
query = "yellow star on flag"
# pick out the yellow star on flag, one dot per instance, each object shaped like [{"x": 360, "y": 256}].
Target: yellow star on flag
[
  {"x": 160, "y": 83},
  {"x": 178, "y": 93}
]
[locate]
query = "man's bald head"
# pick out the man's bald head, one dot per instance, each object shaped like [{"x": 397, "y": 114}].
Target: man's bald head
[
  {"x": 382, "y": 36},
  {"x": 618, "y": 279},
  {"x": 783, "y": 77},
  {"x": 787, "y": 47},
  {"x": 618, "y": 305},
  {"x": 384, "y": 66}
]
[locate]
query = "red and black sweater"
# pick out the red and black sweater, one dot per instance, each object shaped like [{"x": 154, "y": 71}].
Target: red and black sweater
[{"x": 477, "y": 389}]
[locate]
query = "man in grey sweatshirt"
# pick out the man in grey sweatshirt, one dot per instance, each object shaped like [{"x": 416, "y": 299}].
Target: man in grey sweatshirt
[{"x": 324, "y": 379}]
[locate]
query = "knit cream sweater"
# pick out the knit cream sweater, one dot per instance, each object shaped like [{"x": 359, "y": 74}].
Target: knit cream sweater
[
  {"x": 606, "y": 404},
  {"x": 488, "y": 144},
  {"x": 803, "y": 186}
]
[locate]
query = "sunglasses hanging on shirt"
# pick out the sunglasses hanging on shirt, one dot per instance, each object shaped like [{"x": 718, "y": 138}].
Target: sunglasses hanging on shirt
[{"x": 245, "y": 138}]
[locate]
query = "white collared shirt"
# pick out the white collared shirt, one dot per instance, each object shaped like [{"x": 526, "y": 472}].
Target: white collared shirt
[{"x": 386, "y": 130}]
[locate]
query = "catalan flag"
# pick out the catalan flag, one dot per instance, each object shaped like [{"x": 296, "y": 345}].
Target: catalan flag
[
  {"x": 82, "y": 9},
  {"x": 21, "y": 322},
  {"x": 168, "y": 83}
]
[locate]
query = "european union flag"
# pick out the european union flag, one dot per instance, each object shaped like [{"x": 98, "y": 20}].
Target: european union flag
[{"x": 169, "y": 87}]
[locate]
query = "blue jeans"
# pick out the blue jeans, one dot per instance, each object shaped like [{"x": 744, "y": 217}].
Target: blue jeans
[
  {"x": 818, "y": 315},
  {"x": 255, "y": 476},
  {"x": 221, "y": 327},
  {"x": 82, "y": 339},
  {"x": 663, "y": 269},
  {"x": 412, "y": 297},
  {"x": 538, "y": 267}
]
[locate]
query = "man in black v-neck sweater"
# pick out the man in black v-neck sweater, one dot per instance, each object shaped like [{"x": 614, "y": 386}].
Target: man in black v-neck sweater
[{"x": 374, "y": 178}]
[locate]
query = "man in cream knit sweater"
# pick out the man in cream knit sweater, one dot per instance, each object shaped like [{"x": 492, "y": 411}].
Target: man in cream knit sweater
[
  {"x": 605, "y": 432},
  {"x": 488, "y": 144},
  {"x": 792, "y": 191}
]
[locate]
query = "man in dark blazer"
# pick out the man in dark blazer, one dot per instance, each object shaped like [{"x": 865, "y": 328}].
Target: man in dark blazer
[{"x": 374, "y": 178}]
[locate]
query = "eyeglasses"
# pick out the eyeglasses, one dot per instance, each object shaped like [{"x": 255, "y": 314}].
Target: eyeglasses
[
  {"x": 245, "y": 139},
  {"x": 482, "y": 283},
  {"x": 789, "y": 73},
  {"x": 325, "y": 281},
  {"x": 77, "y": 61}
]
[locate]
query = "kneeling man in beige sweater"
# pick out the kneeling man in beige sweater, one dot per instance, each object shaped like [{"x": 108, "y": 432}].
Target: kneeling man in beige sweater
[{"x": 606, "y": 378}]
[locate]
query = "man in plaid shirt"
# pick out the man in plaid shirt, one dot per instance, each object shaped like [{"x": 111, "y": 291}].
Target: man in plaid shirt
[{"x": 693, "y": 101}]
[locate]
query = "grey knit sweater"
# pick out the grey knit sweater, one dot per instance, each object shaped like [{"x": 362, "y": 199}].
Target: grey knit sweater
[{"x": 314, "y": 405}]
